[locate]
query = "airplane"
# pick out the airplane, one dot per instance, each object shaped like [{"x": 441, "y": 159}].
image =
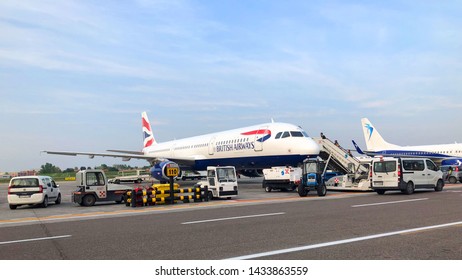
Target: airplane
[
  {"x": 445, "y": 154},
  {"x": 248, "y": 149}
]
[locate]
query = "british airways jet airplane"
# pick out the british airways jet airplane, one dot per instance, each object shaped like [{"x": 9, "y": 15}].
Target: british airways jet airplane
[
  {"x": 248, "y": 149},
  {"x": 376, "y": 145}
]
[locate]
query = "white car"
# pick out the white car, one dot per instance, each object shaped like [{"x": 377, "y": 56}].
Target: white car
[{"x": 32, "y": 190}]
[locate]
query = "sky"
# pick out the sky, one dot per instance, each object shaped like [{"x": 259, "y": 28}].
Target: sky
[{"x": 76, "y": 75}]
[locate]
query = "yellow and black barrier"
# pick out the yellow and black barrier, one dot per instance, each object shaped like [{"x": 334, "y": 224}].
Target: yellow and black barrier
[{"x": 160, "y": 194}]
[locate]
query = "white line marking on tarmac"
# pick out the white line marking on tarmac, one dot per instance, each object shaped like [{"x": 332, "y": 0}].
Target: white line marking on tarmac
[
  {"x": 34, "y": 239},
  {"x": 339, "y": 242},
  {"x": 390, "y": 202},
  {"x": 233, "y": 218}
]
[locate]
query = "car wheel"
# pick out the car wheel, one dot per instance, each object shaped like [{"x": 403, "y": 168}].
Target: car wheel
[
  {"x": 452, "y": 180},
  {"x": 302, "y": 191},
  {"x": 45, "y": 202},
  {"x": 322, "y": 190},
  {"x": 380, "y": 192},
  {"x": 439, "y": 185},
  {"x": 210, "y": 196},
  {"x": 12, "y": 207},
  {"x": 58, "y": 200},
  {"x": 88, "y": 200},
  {"x": 409, "y": 188}
]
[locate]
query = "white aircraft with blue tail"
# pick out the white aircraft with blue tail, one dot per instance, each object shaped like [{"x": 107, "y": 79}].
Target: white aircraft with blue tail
[{"x": 445, "y": 154}]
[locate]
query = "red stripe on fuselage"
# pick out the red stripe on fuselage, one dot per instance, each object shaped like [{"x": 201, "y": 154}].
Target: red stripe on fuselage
[{"x": 260, "y": 131}]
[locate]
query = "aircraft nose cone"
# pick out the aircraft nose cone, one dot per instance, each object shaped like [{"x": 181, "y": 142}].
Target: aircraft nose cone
[{"x": 312, "y": 148}]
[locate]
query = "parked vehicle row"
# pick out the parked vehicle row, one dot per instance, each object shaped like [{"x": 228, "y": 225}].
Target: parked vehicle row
[{"x": 385, "y": 174}]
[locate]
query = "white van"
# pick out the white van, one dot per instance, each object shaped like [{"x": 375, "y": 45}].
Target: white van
[
  {"x": 31, "y": 190},
  {"x": 405, "y": 174}
]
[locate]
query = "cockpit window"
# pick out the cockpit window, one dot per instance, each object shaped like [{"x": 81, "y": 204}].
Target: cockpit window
[
  {"x": 286, "y": 134},
  {"x": 296, "y": 134},
  {"x": 305, "y": 134},
  {"x": 278, "y": 135}
]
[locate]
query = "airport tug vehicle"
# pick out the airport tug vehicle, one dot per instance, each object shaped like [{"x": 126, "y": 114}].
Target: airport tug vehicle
[
  {"x": 92, "y": 187},
  {"x": 221, "y": 182},
  {"x": 313, "y": 177}
]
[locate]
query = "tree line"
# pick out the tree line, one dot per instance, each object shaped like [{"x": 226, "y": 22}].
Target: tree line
[{"x": 49, "y": 168}]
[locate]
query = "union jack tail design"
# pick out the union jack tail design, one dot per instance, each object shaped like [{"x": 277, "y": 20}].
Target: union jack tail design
[{"x": 147, "y": 131}]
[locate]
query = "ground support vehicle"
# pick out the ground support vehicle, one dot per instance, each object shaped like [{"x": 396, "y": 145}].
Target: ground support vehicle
[
  {"x": 192, "y": 175},
  {"x": 313, "y": 177},
  {"x": 452, "y": 173},
  {"x": 284, "y": 178},
  {"x": 221, "y": 182},
  {"x": 135, "y": 176},
  {"x": 405, "y": 174},
  {"x": 33, "y": 190},
  {"x": 93, "y": 187},
  {"x": 353, "y": 171},
  {"x": 358, "y": 178}
]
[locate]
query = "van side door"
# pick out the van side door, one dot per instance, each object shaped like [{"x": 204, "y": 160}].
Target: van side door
[
  {"x": 433, "y": 174},
  {"x": 414, "y": 170}
]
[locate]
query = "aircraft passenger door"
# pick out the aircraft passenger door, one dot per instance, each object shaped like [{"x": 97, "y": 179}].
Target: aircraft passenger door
[
  {"x": 261, "y": 135},
  {"x": 212, "y": 146}
]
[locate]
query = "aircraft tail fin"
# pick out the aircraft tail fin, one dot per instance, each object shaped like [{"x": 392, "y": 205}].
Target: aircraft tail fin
[
  {"x": 147, "y": 131},
  {"x": 374, "y": 141},
  {"x": 358, "y": 149}
]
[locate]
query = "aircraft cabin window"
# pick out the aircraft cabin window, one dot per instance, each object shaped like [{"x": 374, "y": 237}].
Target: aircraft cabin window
[
  {"x": 286, "y": 134},
  {"x": 278, "y": 135}
]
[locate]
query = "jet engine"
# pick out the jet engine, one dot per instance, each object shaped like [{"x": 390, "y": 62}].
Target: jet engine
[{"x": 159, "y": 172}]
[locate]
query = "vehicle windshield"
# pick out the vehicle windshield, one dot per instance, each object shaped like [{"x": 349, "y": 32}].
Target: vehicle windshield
[
  {"x": 25, "y": 183},
  {"x": 311, "y": 167},
  {"x": 226, "y": 175}
]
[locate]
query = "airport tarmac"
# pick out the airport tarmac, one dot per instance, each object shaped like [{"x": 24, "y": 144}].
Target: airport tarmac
[{"x": 256, "y": 225}]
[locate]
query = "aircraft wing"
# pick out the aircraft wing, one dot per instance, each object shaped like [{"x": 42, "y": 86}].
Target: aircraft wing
[
  {"x": 127, "y": 152},
  {"x": 188, "y": 161}
]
